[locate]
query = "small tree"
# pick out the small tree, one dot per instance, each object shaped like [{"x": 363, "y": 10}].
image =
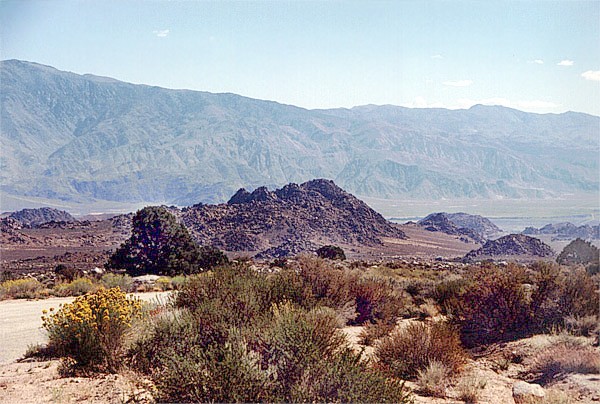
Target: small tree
[
  {"x": 159, "y": 245},
  {"x": 332, "y": 252}
]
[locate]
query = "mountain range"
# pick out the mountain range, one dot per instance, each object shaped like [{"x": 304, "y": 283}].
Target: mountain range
[{"x": 83, "y": 138}]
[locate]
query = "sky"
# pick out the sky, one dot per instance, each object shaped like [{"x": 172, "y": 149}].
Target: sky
[{"x": 536, "y": 56}]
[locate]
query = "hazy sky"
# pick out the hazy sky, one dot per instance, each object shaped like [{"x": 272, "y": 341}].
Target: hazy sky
[{"x": 538, "y": 56}]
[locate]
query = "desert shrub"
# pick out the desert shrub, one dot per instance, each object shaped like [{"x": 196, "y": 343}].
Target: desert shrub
[
  {"x": 494, "y": 306},
  {"x": 178, "y": 281},
  {"x": 378, "y": 300},
  {"x": 121, "y": 281},
  {"x": 433, "y": 379},
  {"x": 24, "y": 288},
  {"x": 323, "y": 284},
  {"x": 346, "y": 378},
  {"x": 228, "y": 372},
  {"x": 68, "y": 273},
  {"x": 7, "y": 275},
  {"x": 169, "y": 332},
  {"x": 374, "y": 331},
  {"x": 579, "y": 251},
  {"x": 564, "y": 358},
  {"x": 582, "y": 326},
  {"x": 235, "y": 293},
  {"x": 448, "y": 295},
  {"x": 164, "y": 283},
  {"x": 232, "y": 338},
  {"x": 469, "y": 388},
  {"x": 211, "y": 257},
  {"x": 331, "y": 252},
  {"x": 580, "y": 295},
  {"x": 288, "y": 285},
  {"x": 77, "y": 287},
  {"x": 411, "y": 349},
  {"x": 91, "y": 329}
]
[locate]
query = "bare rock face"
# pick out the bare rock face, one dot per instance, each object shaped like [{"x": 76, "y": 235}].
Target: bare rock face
[
  {"x": 512, "y": 245},
  {"x": 289, "y": 220},
  {"x": 527, "y": 393}
]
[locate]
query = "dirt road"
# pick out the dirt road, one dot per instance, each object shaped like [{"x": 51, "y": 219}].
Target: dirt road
[{"x": 21, "y": 322}]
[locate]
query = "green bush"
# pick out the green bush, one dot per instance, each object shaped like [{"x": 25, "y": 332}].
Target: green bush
[
  {"x": 411, "y": 349},
  {"x": 78, "y": 287},
  {"x": 123, "y": 282}
]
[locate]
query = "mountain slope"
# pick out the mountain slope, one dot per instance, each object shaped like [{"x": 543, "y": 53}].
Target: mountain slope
[{"x": 78, "y": 138}]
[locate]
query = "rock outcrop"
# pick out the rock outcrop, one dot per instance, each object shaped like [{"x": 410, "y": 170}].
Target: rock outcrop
[
  {"x": 31, "y": 218},
  {"x": 476, "y": 227},
  {"x": 289, "y": 220},
  {"x": 511, "y": 245},
  {"x": 566, "y": 231}
]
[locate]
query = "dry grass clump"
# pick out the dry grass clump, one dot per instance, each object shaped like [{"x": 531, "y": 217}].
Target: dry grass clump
[
  {"x": 433, "y": 379},
  {"x": 582, "y": 326},
  {"x": 469, "y": 388},
  {"x": 564, "y": 358},
  {"x": 411, "y": 349}
]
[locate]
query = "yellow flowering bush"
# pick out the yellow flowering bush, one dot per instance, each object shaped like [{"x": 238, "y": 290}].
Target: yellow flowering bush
[{"x": 92, "y": 328}]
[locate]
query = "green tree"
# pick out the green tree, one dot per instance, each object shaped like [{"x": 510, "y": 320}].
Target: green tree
[{"x": 160, "y": 245}]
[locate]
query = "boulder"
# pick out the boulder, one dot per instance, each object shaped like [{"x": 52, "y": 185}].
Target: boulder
[{"x": 527, "y": 393}]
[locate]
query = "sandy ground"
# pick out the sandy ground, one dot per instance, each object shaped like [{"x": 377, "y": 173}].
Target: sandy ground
[{"x": 21, "y": 322}]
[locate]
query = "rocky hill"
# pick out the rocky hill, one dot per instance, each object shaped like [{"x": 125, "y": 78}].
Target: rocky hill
[
  {"x": 567, "y": 231},
  {"x": 512, "y": 245},
  {"x": 84, "y": 138},
  {"x": 288, "y": 220},
  {"x": 36, "y": 217},
  {"x": 476, "y": 227}
]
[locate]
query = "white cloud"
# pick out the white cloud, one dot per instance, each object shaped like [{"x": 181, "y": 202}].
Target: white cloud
[
  {"x": 161, "y": 33},
  {"x": 438, "y": 56},
  {"x": 458, "y": 83},
  {"x": 593, "y": 75},
  {"x": 421, "y": 102},
  {"x": 536, "y": 104},
  {"x": 538, "y": 61},
  {"x": 566, "y": 62}
]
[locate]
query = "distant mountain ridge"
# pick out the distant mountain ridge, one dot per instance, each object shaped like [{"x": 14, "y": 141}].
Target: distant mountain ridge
[{"x": 75, "y": 137}]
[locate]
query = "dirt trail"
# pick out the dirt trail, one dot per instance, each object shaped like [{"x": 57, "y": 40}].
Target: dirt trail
[{"x": 20, "y": 322}]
